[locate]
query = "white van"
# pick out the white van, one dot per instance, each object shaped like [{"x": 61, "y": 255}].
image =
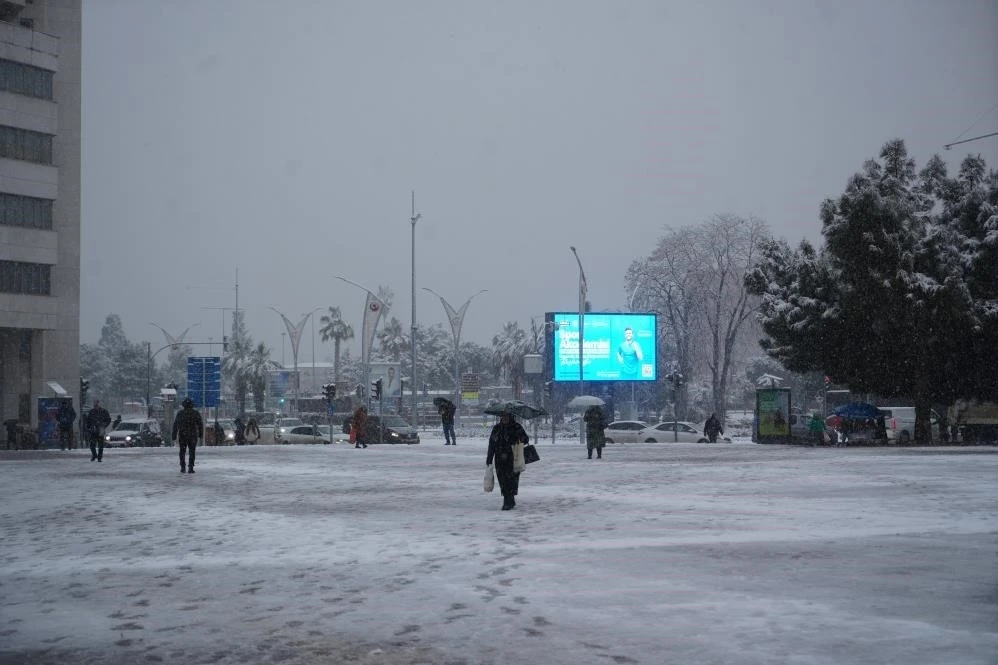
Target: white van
[{"x": 900, "y": 421}]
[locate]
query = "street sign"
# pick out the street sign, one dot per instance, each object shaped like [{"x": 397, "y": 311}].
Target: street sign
[{"x": 204, "y": 380}]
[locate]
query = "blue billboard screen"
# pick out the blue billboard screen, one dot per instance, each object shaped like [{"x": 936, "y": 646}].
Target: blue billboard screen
[{"x": 616, "y": 347}]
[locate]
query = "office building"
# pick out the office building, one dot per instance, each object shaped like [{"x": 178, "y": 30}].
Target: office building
[{"x": 39, "y": 204}]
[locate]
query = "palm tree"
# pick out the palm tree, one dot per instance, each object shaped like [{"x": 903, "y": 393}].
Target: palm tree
[
  {"x": 234, "y": 363},
  {"x": 508, "y": 349},
  {"x": 257, "y": 372},
  {"x": 393, "y": 340},
  {"x": 336, "y": 329}
]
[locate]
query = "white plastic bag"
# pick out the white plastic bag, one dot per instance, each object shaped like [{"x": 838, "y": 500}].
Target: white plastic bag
[
  {"x": 518, "y": 462},
  {"x": 490, "y": 478}
]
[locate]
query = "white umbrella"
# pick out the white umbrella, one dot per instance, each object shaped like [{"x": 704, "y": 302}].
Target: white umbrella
[{"x": 583, "y": 402}]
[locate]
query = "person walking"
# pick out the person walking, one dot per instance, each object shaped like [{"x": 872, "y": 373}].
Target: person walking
[
  {"x": 252, "y": 434},
  {"x": 65, "y": 419},
  {"x": 117, "y": 421},
  {"x": 98, "y": 419},
  {"x": 240, "y": 430},
  {"x": 446, "y": 411},
  {"x": 504, "y": 435},
  {"x": 595, "y": 424},
  {"x": 712, "y": 428},
  {"x": 816, "y": 426},
  {"x": 188, "y": 427},
  {"x": 359, "y": 424}
]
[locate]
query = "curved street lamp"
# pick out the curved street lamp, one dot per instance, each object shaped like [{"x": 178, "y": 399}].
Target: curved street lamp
[{"x": 456, "y": 318}]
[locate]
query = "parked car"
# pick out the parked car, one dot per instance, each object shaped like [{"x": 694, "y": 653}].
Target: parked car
[
  {"x": 900, "y": 421},
  {"x": 134, "y": 432},
  {"x": 681, "y": 432},
  {"x": 390, "y": 429},
  {"x": 307, "y": 434},
  {"x": 624, "y": 431},
  {"x": 284, "y": 425}
]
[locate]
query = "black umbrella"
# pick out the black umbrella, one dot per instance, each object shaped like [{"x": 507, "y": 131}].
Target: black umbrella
[
  {"x": 440, "y": 401},
  {"x": 515, "y": 407}
]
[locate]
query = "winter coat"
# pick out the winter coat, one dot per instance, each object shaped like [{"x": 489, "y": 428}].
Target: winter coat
[
  {"x": 360, "y": 423},
  {"x": 252, "y": 431},
  {"x": 66, "y": 417},
  {"x": 447, "y": 414},
  {"x": 816, "y": 425},
  {"x": 188, "y": 425},
  {"x": 97, "y": 419},
  {"x": 712, "y": 427},
  {"x": 501, "y": 441},
  {"x": 595, "y": 424}
]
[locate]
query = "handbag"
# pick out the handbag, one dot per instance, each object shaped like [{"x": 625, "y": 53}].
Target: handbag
[
  {"x": 530, "y": 454},
  {"x": 490, "y": 479},
  {"x": 518, "y": 462}
]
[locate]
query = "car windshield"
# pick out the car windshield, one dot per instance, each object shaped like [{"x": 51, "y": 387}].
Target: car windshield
[
  {"x": 394, "y": 421},
  {"x": 289, "y": 422},
  {"x": 129, "y": 427}
]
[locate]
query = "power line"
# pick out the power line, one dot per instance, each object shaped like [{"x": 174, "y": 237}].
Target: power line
[{"x": 983, "y": 136}]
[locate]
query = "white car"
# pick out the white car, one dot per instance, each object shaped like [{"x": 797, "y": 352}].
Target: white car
[
  {"x": 624, "y": 431},
  {"x": 307, "y": 434},
  {"x": 284, "y": 425},
  {"x": 679, "y": 432}
]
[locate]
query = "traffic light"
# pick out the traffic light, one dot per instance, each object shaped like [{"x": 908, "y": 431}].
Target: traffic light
[
  {"x": 84, "y": 387},
  {"x": 329, "y": 391},
  {"x": 225, "y": 343},
  {"x": 548, "y": 388},
  {"x": 376, "y": 389}
]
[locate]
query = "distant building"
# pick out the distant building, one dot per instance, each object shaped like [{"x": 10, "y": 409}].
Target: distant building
[{"x": 39, "y": 202}]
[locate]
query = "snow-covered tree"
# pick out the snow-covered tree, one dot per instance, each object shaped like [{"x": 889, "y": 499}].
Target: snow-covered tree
[{"x": 891, "y": 304}]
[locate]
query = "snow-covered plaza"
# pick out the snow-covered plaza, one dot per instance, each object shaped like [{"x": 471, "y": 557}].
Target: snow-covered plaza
[{"x": 667, "y": 553}]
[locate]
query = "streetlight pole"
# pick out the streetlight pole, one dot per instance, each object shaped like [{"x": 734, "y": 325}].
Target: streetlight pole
[
  {"x": 374, "y": 307},
  {"x": 412, "y": 333},
  {"x": 456, "y": 318},
  {"x": 582, "y": 309},
  {"x": 294, "y": 332}
]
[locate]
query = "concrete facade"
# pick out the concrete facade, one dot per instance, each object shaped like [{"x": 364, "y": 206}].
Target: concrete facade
[{"x": 40, "y": 332}]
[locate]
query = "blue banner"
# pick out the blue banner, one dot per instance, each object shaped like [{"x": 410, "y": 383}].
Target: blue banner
[{"x": 204, "y": 380}]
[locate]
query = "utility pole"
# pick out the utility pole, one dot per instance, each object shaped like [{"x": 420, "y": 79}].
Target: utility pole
[{"x": 412, "y": 334}]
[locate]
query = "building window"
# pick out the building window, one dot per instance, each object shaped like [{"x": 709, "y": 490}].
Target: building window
[
  {"x": 24, "y": 144},
  {"x": 30, "y": 278},
  {"x": 24, "y": 79},
  {"x": 26, "y": 211}
]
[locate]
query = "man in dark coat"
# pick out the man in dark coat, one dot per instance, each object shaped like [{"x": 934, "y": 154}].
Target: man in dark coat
[
  {"x": 188, "y": 427},
  {"x": 97, "y": 421},
  {"x": 712, "y": 428},
  {"x": 65, "y": 419},
  {"x": 446, "y": 411},
  {"x": 595, "y": 424},
  {"x": 504, "y": 434}
]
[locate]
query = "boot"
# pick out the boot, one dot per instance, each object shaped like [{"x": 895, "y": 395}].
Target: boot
[
  {"x": 190, "y": 469},
  {"x": 599, "y": 454},
  {"x": 183, "y": 469},
  {"x": 590, "y": 454}
]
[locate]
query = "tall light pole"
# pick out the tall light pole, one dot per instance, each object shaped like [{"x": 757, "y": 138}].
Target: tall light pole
[
  {"x": 582, "y": 310},
  {"x": 412, "y": 333},
  {"x": 456, "y": 318},
  {"x": 294, "y": 333},
  {"x": 374, "y": 307}
]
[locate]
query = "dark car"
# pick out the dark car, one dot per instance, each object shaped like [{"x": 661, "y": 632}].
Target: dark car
[
  {"x": 134, "y": 432},
  {"x": 390, "y": 429}
]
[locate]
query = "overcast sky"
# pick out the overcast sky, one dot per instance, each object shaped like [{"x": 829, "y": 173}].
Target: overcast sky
[{"x": 284, "y": 140}]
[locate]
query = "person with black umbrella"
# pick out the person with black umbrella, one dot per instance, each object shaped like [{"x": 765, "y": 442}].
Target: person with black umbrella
[
  {"x": 505, "y": 434},
  {"x": 446, "y": 409}
]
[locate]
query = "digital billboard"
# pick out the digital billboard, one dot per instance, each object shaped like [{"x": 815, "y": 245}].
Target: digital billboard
[{"x": 615, "y": 347}]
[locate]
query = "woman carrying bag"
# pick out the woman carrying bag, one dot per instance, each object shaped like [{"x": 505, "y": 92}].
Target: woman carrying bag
[{"x": 505, "y": 434}]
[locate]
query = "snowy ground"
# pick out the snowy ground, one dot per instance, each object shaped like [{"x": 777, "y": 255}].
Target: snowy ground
[{"x": 656, "y": 554}]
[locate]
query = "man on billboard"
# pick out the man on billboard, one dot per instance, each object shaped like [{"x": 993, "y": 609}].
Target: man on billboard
[{"x": 629, "y": 354}]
